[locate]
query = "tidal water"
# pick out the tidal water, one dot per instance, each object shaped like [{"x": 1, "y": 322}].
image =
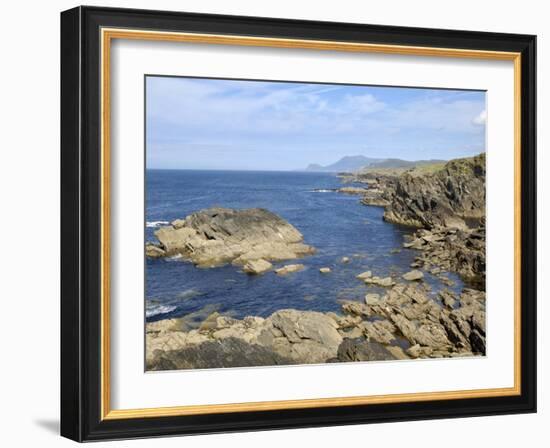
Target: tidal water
[{"x": 336, "y": 224}]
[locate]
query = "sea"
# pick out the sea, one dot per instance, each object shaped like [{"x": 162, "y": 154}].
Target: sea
[{"x": 336, "y": 224}]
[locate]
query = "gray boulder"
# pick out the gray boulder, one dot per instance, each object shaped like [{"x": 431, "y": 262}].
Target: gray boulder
[
  {"x": 361, "y": 350},
  {"x": 257, "y": 266},
  {"x": 413, "y": 275}
]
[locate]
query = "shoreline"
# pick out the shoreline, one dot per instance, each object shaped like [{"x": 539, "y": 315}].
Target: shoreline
[{"x": 402, "y": 324}]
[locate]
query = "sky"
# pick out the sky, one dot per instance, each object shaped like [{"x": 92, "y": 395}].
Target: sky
[{"x": 196, "y": 123}]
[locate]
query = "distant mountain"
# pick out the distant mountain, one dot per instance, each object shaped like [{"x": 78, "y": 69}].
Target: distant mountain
[
  {"x": 356, "y": 163},
  {"x": 399, "y": 163},
  {"x": 347, "y": 163}
]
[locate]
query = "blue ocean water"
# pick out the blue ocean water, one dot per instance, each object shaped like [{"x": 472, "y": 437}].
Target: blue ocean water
[{"x": 336, "y": 224}]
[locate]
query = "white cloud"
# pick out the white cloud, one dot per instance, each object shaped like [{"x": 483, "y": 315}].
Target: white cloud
[
  {"x": 364, "y": 104},
  {"x": 480, "y": 119},
  {"x": 251, "y": 108}
]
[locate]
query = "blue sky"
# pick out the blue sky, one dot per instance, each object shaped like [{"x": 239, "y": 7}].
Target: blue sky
[{"x": 257, "y": 125}]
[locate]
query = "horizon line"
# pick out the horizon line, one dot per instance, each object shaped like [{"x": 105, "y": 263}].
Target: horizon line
[{"x": 306, "y": 170}]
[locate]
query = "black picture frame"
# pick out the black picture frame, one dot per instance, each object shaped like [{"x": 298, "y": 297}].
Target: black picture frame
[{"x": 81, "y": 224}]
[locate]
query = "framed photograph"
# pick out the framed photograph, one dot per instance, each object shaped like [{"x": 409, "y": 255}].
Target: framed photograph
[{"x": 273, "y": 223}]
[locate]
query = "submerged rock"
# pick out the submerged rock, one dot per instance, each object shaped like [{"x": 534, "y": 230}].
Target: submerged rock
[
  {"x": 364, "y": 275},
  {"x": 217, "y": 236},
  {"x": 372, "y": 299},
  {"x": 289, "y": 268}
]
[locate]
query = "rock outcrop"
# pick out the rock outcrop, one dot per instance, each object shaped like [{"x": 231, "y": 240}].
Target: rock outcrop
[
  {"x": 352, "y": 190},
  {"x": 218, "y": 236},
  {"x": 449, "y": 249},
  {"x": 407, "y": 322},
  {"x": 447, "y": 204},
  {"x": 286, "y": 337},
  {"x": 376, "y": 197},
  {"x": 448, "y": 197}
]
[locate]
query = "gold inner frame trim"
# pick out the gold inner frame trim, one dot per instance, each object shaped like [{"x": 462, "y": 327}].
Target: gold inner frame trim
[{"x": 107, "y": 35}]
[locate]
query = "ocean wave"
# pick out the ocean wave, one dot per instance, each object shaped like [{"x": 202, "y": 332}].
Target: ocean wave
[
  {"x": 156, "y": 223},
  {"x": 323, "y": 190},
  {"x": 155, "y": 310},
  {"x": 189, "y": 294}
]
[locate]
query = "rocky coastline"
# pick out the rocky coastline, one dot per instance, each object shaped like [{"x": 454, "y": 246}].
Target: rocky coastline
[
  {"x": 445, "y": 210},
  {"x": 404, "y": 323}
]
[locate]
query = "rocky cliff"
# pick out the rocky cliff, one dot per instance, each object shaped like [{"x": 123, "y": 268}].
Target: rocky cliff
[
  {"x": 450, "y": 197},
  {"x": 447, "y": 205}
]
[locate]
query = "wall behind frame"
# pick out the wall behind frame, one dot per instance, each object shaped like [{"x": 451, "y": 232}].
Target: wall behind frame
[{"x": 29, "y": 223}]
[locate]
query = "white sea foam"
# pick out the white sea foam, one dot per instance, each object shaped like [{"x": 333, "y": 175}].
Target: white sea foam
[
  {"x": 322, "y": 190},
  {"x": 189, "y": 294},
  {"x": 156, "y": 223},
  {"x": 158, "y": 309}
]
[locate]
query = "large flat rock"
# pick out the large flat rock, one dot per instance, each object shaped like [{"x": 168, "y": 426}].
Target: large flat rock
[{"x": 218, "y": 236}]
